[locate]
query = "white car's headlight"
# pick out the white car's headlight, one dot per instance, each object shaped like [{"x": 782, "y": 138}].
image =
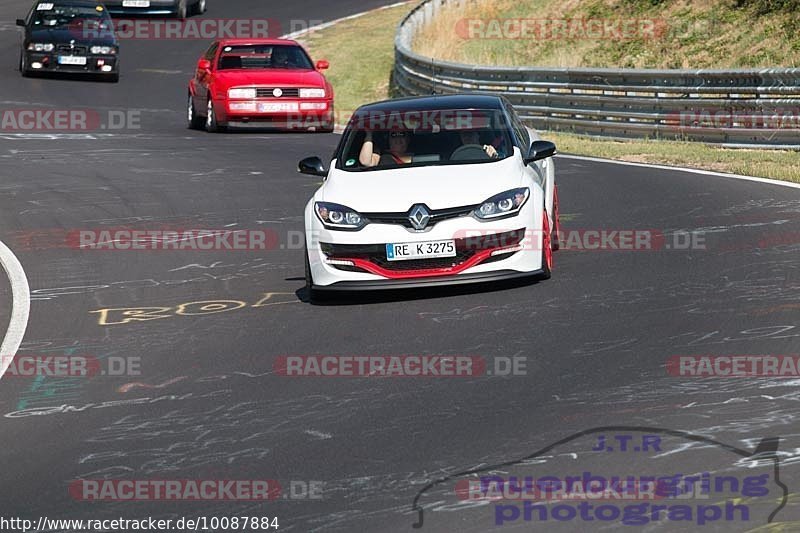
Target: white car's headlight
[
  {"x": 242, "y": 93},
  {"x": 312, "y": 93},
  {"x": 41, "y": 47},
  {"x": 503, "y": 205},
  {"x": 103, "y": 50},
  {"x": 336, "y": 216}
]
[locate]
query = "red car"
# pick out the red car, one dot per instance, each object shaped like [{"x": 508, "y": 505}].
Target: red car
[{"x": 269, "y": 82}]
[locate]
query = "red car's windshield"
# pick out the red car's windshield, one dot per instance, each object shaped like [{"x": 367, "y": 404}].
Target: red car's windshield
[{"x": 264, "y": 57}]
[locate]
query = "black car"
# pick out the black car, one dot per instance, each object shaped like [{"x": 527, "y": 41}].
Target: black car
[
  {"x": 179, "y": 9},
  {"x": 71, "y": 37}
]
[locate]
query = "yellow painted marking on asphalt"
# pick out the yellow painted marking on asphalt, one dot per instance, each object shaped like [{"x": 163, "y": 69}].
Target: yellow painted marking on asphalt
[{"x": 113, "y": 316}]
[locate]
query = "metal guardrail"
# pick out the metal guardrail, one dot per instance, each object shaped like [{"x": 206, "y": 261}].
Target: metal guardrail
[{"x": 735, "y": 108}]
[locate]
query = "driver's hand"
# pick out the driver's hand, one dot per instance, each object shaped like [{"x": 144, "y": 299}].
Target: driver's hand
[{"x": 490, "y": 151}]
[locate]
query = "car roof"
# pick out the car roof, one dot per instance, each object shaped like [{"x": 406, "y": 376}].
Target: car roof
[
  {"x": 435, "y": 103},
  {"x": 234, "y": 42}
]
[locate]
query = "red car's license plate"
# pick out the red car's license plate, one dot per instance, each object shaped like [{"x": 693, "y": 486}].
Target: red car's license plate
[{"x": 277, "y": 107}]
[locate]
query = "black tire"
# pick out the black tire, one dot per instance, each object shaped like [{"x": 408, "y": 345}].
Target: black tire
[
  {"x": 194, "y": 121},
  {"x": 23, "y": 67},
  {"x": 327, "y": 127},
  {"x": 311, "y": 294},
  {"x": 556, "y": 234},
  {"x": 199, "y": 8},
  {"x": 181, "y": 12},
  {"x": 212, "y": 126},
  {"x": 547, "y": 250},
  {"x": 112, "y": 78}
]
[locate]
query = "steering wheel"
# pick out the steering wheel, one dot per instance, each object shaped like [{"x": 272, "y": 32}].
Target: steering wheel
[{"x": 469, "y": 152}]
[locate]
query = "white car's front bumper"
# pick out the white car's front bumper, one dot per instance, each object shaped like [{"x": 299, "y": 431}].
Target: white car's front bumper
[{"x": 480, "y": 258}]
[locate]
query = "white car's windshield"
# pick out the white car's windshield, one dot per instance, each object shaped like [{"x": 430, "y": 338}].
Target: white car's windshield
[{"x": 380, "y": 140}]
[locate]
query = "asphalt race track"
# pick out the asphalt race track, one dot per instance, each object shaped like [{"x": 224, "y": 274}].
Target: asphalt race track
[{"x": 596, "y": 337}]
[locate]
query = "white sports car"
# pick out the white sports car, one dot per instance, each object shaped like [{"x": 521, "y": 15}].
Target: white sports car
[{"x": 431, "y": 191}]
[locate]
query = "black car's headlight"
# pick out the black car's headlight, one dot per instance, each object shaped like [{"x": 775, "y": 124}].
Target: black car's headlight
[
  {"x": 41, "y": 47},
  {"x": 336, "y": 216},
  {"x": 503, "y": 205}
]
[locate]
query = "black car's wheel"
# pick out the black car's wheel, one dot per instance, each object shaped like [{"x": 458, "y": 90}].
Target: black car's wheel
[
  {"x": 112, "y": 78},
  {"x": 195, "y": 121},
  {"x": 212, "y": 126},
  {"x": 199, "y": 8},
  {"x": 23, "y": 66},
  {"x": 181, "y": 11}
]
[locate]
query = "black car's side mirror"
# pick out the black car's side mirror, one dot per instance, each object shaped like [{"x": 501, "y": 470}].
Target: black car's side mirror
[
  {"x": 21, "y": 22},
  {"x": 312, "y": 166},
  {"x": 540, "y": 150}
]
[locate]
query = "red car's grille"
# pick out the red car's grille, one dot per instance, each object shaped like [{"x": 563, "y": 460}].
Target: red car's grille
[{"x": 269, "y": 92}]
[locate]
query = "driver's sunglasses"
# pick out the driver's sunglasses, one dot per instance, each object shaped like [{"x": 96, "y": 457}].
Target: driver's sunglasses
[{"x": 396, "y": 134}]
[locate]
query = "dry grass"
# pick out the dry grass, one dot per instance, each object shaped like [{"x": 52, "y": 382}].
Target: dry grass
[{"x": 689, "y": 34}]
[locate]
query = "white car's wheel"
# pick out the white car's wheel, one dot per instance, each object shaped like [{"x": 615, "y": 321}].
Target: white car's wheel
[{"x": 547, "y": 248}]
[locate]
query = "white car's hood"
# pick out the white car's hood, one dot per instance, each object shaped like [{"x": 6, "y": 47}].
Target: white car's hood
[{"x": 438, "y": 187}]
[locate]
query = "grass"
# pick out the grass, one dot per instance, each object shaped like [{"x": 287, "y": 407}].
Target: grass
[
  {"x": 361, "y": 52},
  {"x": 664, "y": 34}
]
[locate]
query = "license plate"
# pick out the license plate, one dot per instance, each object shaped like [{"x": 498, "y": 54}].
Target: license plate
[
  {"x": 278, "y": 107},
  {"x": 71, "y": 60},
  {"x": 420, "y": 250},
  {"x": 135, "y": 3}
]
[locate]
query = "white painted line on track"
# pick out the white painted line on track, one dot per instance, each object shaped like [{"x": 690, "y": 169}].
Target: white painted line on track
[
  {"x": 683, "y": 169},
  {"x": 20, "y": 307}
]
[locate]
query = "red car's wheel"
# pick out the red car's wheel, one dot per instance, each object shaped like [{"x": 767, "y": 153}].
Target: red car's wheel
[
  {"x": 212, "y": 125},
  {"x": 194, "y": 120}
]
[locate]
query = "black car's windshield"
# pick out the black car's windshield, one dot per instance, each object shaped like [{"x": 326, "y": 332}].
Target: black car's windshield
[
  {"x": 55, "y": 14},
  {"x": 381, "y": 140},
  {"x": 264, "y": 57}
]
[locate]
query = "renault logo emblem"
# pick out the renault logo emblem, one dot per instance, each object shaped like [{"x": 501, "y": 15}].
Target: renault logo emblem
[
  {"x": 419, "y": 217},
  {"x": 277, "y": 93}
]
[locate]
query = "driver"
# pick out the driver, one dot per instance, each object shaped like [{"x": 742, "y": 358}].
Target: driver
[
  {"x": 280, "y": 57},
  {"x": 396, "y": 155},
  {"x": 473, "y": 137}
]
